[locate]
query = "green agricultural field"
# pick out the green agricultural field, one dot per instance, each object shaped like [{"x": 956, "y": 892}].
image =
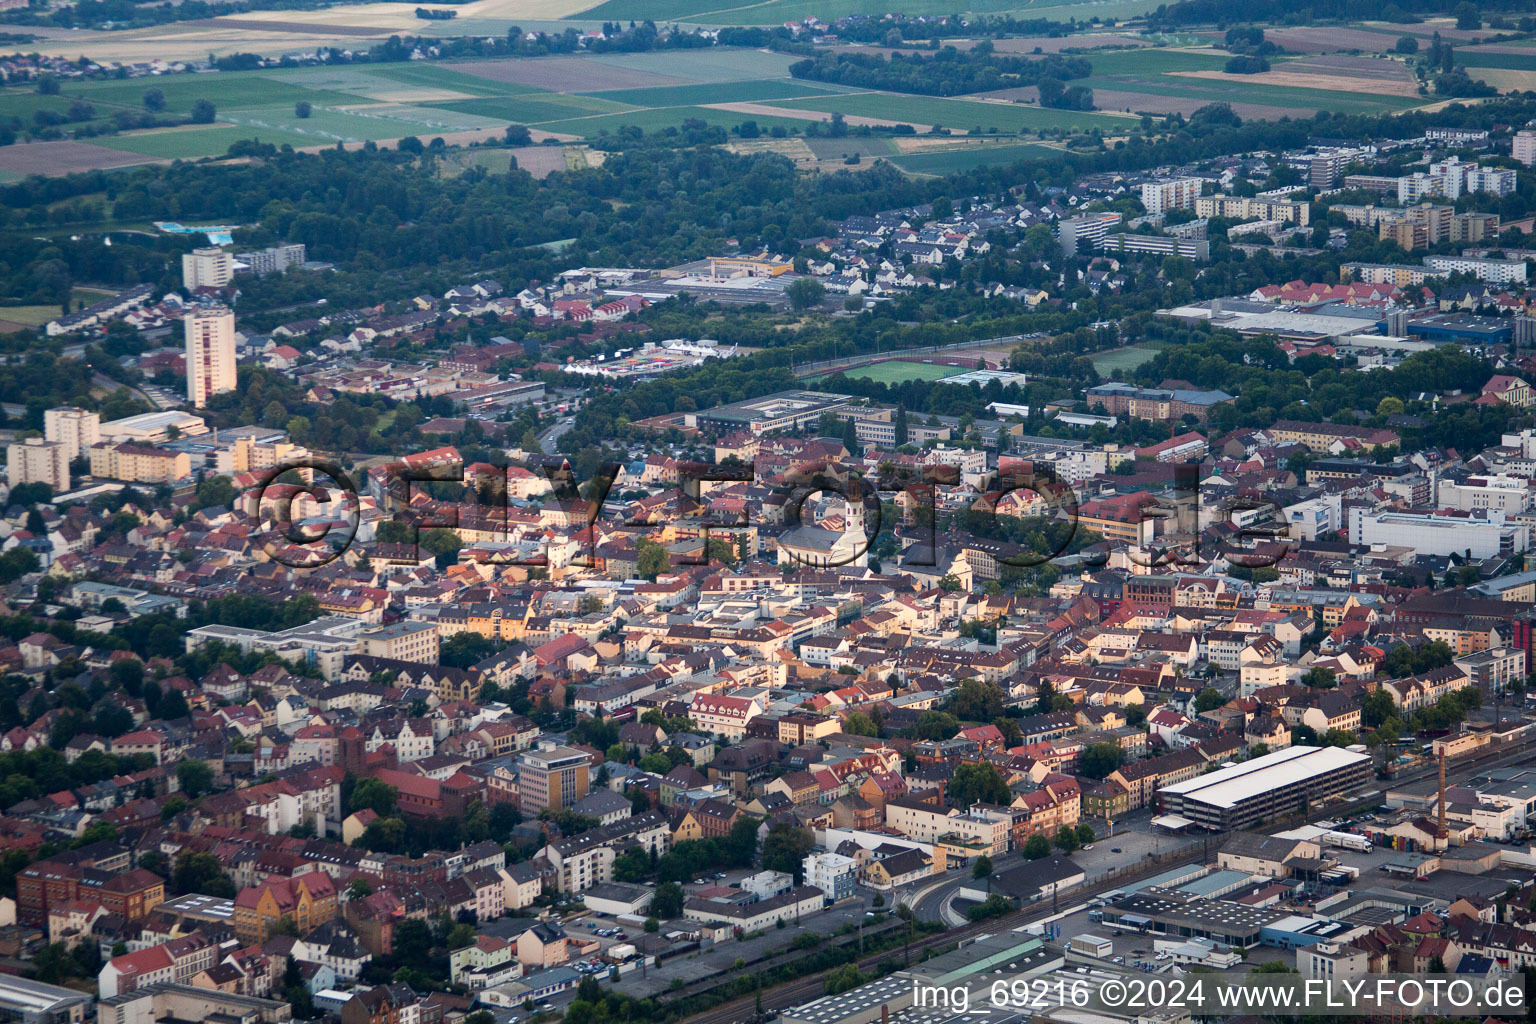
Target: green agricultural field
[
  {"x": 897, "y": 372},
  {"x": 1474, "y": 58},
  {"x": 324, "y": 126},
  {"x": 529, "y": 110},
  {"x": 959, "y": 115},
  {"x": 968, "y": 159},
  {"x": 660, "y": 119},
  {"x": 726, "y": 64},
  {"x": 423, "y": 118},
  {"x": 1302, "y": 101},
  {"x": 231, "y": 90},
  {"x": 1124, "y": 360},
  {"x": 720, "y": 92},
  {"x": 1153, "y": 61},
  {"x": 835, "y": 149},
  {"x": 435, "y": 76},
  {"x": 24, "y": 101},
  {"x": 194, "y": 143},
  {"x": 773, "y": 12}
]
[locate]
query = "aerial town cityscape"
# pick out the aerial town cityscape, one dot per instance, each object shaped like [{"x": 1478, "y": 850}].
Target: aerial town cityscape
[{"x": 519, "y": 511}]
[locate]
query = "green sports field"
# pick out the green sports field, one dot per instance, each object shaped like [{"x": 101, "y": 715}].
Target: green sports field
[
  {"x": 1124, "y": 360},
  {"x": 899, "y": 372}
]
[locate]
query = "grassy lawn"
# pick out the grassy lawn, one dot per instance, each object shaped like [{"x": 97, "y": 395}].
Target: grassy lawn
[
  {"x": 969, "y": 159},
  {"x": 32, "y": 316},
  {"x": 959, "y": 115}
]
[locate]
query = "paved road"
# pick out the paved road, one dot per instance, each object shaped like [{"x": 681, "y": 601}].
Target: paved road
[{"x": 550, "y": 436}]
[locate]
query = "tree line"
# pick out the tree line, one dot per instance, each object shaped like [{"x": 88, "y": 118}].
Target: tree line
[{"x": 949, "y": 72}]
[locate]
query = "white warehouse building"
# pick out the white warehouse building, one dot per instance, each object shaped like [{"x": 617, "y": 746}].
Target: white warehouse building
[
  {"x": 1509, "y": 494},
  {"x": 1484, "y": 534}
]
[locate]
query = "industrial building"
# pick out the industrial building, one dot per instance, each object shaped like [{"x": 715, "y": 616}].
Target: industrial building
[
  {"x": 1288, "y": 781},
  {"x": 1187, "y": 916},
  {"x": 32, "y": 1002}
]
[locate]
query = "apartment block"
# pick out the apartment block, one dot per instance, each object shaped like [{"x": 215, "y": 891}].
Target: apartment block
[
  {"x": 1176, "y": 194},
  {"x": 76, "y": 429},
  {"x": 207, "y": 268},
  {"x": 1084, "y": 231},
  {"x": 1254, "y": 208},
  {"x": 1524, "y": 147},
  {"x": 401, "y": 641},
  {"x": 36, "y": 461},
  {"x": 138, "y": 463},
  {"x": 210, "y": 354}
]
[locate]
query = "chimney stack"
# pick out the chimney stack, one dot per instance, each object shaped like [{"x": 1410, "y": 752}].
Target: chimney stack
[{"x": 1443, "y": 833}]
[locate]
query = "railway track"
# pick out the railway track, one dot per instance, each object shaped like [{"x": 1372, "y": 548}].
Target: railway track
[{"x": 801, "y": 990}]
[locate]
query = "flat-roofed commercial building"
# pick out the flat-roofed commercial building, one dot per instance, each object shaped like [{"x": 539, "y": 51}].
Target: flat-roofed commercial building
[
  {"x": 402, "y": 641},
  {"x": 1295, "y": 779},
  {"x": 551, "y": 776},
  {"x": 783, "y": 410},
  {"x": 1179, "y": 914}
]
